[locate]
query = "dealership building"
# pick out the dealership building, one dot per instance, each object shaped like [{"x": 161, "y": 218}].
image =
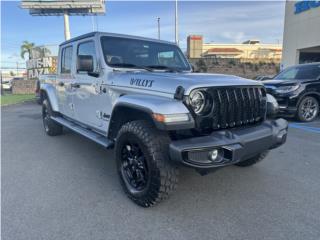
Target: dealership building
[
  {"x": 249, "y": 51},
  {"x": 301, "y": 41}
]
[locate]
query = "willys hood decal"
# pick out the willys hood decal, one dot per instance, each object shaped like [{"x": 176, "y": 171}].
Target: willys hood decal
[{"x": 168, "y": 82}]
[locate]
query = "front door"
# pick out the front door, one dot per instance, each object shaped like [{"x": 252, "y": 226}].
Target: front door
[{"x": 90, "y": 101}]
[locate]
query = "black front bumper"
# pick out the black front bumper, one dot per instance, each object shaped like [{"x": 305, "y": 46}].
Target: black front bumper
[{"x": 233, "y": 145}]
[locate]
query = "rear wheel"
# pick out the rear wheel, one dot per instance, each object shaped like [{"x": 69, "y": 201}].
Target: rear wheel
[
  {"x": 308, "y": 109},
  {"x": 251, "y": 161},
  {"x": 51, "y": 127},
  {"x": 145, "y": 172}
]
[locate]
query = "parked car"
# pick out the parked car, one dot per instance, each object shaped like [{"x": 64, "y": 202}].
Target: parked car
[
  {"x": 6, "y": 85},
  {"x": 297, "y": 90},
  {"x": 140, "y": 97}
]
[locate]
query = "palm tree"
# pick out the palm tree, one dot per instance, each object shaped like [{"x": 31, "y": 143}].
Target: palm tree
[
  {"x": 41, "y": 52},
  {"x": 26, "y": 47}
]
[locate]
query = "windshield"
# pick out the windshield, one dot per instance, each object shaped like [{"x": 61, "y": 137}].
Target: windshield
[
  {"x": 302, "y": 72},
  {"x": 125, "y": 52}
]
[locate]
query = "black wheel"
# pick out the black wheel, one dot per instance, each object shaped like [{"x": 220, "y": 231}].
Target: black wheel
[
  {"x": 51, "y": 127},
  {"x": 308, "y": 109},
  {"x": 251, "y": 161},
  {"x": 145, "y": 172}
]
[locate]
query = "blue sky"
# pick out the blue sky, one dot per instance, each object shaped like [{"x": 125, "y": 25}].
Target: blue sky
[{"x": 217, "y": 21}]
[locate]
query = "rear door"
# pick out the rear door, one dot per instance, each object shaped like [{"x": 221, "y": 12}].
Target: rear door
[{"x": 65, "y": 78}]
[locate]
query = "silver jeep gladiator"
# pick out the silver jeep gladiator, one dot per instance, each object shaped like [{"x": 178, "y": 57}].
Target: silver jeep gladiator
[{"x": 141, "y": 97}]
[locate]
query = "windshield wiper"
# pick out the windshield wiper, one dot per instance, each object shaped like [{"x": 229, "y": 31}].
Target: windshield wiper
[
  {"x": 169, "y": 69},
  {"x": 129, "y": 65}
]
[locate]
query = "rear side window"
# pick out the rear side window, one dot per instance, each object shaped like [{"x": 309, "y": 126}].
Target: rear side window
[{"x": 66, "y": 60}]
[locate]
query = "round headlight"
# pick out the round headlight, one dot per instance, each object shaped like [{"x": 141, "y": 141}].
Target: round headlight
[{"x": 197, "y": 101}]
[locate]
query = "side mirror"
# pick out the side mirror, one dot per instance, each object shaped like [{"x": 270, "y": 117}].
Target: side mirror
[
  {"x": 194, "y": 69},
  {"x": 85, "y": 63}
]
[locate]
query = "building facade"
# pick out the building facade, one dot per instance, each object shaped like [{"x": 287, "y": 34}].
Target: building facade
[
  {"x": 301, "y": 40},
  {"x": 248, "y": 51}
]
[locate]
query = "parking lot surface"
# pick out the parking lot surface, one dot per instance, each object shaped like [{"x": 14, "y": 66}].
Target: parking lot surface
[{"x": 66, "y": 187}]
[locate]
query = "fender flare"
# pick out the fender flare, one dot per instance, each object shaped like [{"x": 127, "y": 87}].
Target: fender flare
[
  {"x": 51, "y": 95},
  {"x": 307, "y": 93},
  {"x": 147, "y": 105},
  {"x": 152, "y": 104}
]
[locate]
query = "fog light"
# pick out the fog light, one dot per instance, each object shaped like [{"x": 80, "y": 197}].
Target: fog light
[{"x": 213, "y": 155}]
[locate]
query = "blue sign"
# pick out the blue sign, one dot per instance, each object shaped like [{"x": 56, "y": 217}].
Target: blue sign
[{"x": 303, "y": 6}]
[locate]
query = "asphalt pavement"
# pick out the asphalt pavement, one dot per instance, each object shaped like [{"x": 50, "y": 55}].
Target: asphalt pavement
[{"x": 66, "y": 187}]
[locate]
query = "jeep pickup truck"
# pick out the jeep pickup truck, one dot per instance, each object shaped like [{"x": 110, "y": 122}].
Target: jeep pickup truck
[{"x": 141, "y": 97}]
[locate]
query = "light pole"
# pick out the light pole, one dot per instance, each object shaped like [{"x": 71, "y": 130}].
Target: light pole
[
  {"x": 1, "y": 82},
  {"x": 66, "y": 25},
  {"x": 158, "y": 28},
  {"x": 176, "y": 23}
]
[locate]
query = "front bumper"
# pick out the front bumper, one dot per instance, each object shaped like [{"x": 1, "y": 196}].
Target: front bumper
[{"x": 233, "y": 145}]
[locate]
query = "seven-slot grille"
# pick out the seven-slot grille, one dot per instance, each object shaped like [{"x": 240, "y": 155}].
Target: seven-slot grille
[{"x": 234, "y": 106}]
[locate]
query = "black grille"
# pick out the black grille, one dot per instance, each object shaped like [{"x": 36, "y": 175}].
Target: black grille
[{"x": 233, "y": 107}]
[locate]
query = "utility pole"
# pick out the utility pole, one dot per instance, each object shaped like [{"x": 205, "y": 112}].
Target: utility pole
[
  {"x": 176, "y": 24},
  {"x": 66, "y": 25},
  {"x": 17, "y": 68},
  {"x": 158, "y": 28},
  {"x": 93, "y": 24}
]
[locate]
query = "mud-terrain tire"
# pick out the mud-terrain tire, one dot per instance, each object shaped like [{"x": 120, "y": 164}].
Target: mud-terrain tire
[
  {"x": 141, "y": 152},
  {"x": 308, "y": 109},
  {"x": 51, "y": 127},
  {"x": 251, "y": 161}
]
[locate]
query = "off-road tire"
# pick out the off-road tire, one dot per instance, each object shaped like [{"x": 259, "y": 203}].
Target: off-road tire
[
  {"x": 154, "y": 145},
  {"x": 299, "y": 114},
  {"x": 251, "y": 161},
  {"x": 51, "y": 127}
]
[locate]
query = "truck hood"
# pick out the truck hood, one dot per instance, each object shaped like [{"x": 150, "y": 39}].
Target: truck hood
[{"x": 168, "y": 82}]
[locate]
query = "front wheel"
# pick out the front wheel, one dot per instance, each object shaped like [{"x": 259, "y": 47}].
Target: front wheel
[
  {"x": 145, "y": 172},
  {"x": 308, "y": 109}
]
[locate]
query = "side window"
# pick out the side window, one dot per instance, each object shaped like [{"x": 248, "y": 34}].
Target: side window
[
  {"x": 66, "y": 60},
  {"x": 167, "y": 58},
  {"x": 88, "y": 49}
]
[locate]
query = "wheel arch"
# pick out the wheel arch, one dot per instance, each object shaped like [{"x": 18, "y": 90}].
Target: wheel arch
[
  {"x": 48, "y": 91},
  {"x": 316, "y": 95},
  {"x": 124, "y": 113}
]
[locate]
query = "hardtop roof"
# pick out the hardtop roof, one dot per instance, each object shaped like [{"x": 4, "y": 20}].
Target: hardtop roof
[{"x": 92, "y": 34}]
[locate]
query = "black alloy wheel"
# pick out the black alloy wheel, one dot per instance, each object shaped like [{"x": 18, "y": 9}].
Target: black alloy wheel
[
  {"x": 51, "y": 127},
  {"x": 45, "y": 118},
  {"x": 146, "y": 174},
  {"x": 134, "y": 168}
]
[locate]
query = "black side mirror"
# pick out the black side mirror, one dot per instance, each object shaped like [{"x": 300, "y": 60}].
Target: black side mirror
[
  {"x": 85, "y": 63},
  {"x": 194, "y": 69}
]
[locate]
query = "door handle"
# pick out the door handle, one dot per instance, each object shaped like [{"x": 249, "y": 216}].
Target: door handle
[
  {"x": 61, "y": 84},
  {"x": 75, "y": 85}
]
